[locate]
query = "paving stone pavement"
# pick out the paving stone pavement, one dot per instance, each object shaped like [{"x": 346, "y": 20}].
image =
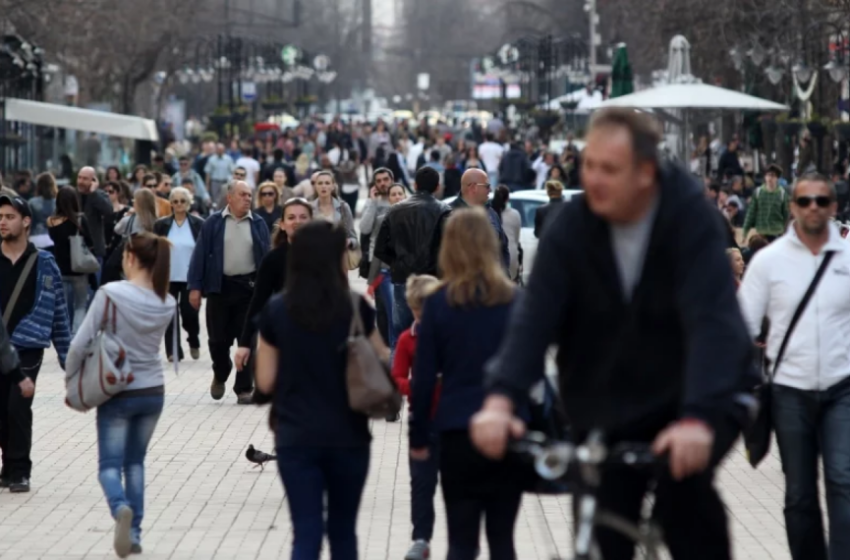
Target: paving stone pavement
[{"x": 204, "y": 501}]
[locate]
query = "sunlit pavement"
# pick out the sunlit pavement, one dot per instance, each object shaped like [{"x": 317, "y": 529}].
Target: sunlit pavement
[{"x": 205, "y": 501}]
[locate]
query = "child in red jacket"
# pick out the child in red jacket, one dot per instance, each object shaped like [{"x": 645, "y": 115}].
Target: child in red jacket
[{"x": 423, "y": 474}]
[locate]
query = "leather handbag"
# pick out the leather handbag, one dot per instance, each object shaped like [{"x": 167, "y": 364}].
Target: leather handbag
[
  {"x": 83, "y": 260},
  {"x": 757, "y": 435},
  {"x": 371, "y": 390},
  {"x": 354, "y": 258},
  {"x": 104, "y": 370}
]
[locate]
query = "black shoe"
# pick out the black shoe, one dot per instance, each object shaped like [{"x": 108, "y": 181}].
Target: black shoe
[
  {"x": 20, "y": 486},
  {"x": 394, "y": 417},
  {"x": 5, "y": 482},
  {"x": 135, "y": 548}
]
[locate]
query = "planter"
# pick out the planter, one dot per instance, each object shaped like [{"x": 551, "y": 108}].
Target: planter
[
  {"x": 274, "y": 106},
  {"x": 219, "y": 120},
  {"x": 817, "y": 128},
  {"x": 842, "y": 131},
  {"x": 545, "y": 121},
  {"x": 569, "y": 105}
]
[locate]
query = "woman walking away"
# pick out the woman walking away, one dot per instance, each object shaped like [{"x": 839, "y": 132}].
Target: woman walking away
[
  {"x": 66, "y": 223},
  {"x": 462, "y": 328},
  {"x": 42, "y": 206},
  {"x": 141, "y": 219},
  {"x": 126, "y": 422},
  {"x": 322, "y": 444},
  {"x": 182, "y": 230},
  {"x": 512, "y": 224},
  {"x": 328, "y": 206},
  {"x": 272, "y": 274},
  {"x": 267, "y": 204}
]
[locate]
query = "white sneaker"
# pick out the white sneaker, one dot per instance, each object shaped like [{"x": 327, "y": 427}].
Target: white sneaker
[{"x": 419, "y": 550}]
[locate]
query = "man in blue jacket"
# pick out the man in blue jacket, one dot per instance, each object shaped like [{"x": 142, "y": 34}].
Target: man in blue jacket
[
  {"x": 32, "y": 304},
  {"x": 633, "y": 284},
  {"x": 224, "y": 265}
]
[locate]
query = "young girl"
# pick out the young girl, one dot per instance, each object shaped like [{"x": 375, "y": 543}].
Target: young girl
[{"x": 423, "y": 474}]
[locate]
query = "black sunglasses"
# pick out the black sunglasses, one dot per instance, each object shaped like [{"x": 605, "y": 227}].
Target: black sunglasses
[
  {"x": 806, "y": 201},
  {"x": 150, "y": 185},
  {"x": 267, "y": 193}
]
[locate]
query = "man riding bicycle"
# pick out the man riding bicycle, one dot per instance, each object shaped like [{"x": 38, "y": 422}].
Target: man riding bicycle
[{"x": 633, "y": 284}]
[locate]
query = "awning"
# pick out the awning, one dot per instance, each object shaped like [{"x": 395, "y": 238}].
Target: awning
[{"x": 74, "y": 118}]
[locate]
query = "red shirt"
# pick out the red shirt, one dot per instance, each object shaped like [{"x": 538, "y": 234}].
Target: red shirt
[{"x": 405, "y": 352}]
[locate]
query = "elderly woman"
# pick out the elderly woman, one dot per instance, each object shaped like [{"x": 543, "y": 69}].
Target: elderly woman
[{"x": 182, "y": 229}]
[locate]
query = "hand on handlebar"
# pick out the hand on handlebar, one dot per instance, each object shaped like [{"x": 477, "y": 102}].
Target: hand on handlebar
[
  {"x": 492, "y": 427},
  {"x": 688, "y": 444}
]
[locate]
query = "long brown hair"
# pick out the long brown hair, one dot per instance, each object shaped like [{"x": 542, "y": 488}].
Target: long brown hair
[
  {"x": 144, "y": 203},
  {"x": 45, "y": 186},
  {"x": 469, "y": 261},
  {"x": 154, "y": 255}
]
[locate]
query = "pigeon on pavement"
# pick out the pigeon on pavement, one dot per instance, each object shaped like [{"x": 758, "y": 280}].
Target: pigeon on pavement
[{"x": 258, "y": 457}]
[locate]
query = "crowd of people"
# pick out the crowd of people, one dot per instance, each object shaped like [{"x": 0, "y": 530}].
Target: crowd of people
[{"x": 635, "y": 282}]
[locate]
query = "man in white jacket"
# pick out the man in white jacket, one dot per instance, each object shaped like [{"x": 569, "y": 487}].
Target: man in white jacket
[{"x": 811, "y": 389}]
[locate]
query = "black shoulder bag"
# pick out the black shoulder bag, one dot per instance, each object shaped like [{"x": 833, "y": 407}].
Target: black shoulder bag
[{"x": 757, "y": 435}]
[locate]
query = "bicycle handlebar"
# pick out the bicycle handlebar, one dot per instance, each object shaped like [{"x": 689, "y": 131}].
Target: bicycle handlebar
[{"x": 552, "y": 459}]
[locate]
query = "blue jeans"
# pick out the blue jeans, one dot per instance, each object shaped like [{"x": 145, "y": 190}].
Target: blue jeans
[
  {"x": 124, "y": 429},
  {"x": 808, "y": 424},
  {"x": 385, "y": 290},
  {"x": 308, "y": 475},
  {"x": 76, "y": 297}
]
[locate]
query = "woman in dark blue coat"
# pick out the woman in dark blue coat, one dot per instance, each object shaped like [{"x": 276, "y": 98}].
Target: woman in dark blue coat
[{"x": 462, "y": 328}]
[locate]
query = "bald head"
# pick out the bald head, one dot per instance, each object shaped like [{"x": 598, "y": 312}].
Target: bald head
[
  {"x": 86, "y": 179},
  {"x": 239, "y": 198},
  {"x": 474, "y": 187}
]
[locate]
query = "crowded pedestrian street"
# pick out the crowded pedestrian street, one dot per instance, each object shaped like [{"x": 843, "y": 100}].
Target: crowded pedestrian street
[{"x": 206, "y": 502}]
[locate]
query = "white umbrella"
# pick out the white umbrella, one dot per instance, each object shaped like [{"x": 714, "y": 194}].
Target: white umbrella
[{"x": 694, "y": 97}]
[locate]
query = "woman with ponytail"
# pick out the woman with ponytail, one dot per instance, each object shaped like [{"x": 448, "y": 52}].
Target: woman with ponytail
[{"x": 143, "y": 310}]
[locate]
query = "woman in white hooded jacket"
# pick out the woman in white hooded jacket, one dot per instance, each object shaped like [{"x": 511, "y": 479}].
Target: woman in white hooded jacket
[{"x": 142, "y": 309}]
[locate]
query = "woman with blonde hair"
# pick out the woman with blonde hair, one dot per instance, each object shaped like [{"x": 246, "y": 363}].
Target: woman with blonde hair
[
  {"x": 139, "y": 220},
  {"x": 302, "y": 167},
  {"x": 462, "y": 326},
  {"x": 328, "y": 206},
  {"x": 267, "y": 204}
]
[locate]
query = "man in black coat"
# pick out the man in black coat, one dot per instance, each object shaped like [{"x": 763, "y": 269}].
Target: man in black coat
[
  {"x": 97, "y": 209},
  {"x": 632, "y": 282}
]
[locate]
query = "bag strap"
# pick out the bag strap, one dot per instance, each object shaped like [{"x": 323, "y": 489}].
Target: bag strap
[
  {"x": 800, "y": 308},
  {"x": 356, "y": 327},
  {"x": 16, "y": 293}
]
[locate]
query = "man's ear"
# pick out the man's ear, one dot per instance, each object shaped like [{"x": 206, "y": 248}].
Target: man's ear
[{"x": 27, "y": 222}]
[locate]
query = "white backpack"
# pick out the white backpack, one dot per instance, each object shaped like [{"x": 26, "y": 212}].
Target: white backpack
[{"x": 105, "y": 369}]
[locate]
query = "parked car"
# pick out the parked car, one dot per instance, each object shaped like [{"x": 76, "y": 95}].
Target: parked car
[{"x": 526, "y": 203}]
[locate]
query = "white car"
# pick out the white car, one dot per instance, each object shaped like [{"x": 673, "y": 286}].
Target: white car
[{"x": 527, "y": 203}]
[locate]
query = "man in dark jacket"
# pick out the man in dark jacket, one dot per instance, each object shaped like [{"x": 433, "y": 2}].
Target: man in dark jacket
[
  {"x": 729, "y": 164},
  {"x": 224, "y": 265},
  {"x": 405, "y": 239},
  {"x": 632, "y": 282},
  {"x": 555, "y": 191},
  {"x": 515, "y": 169},
  {"x": 97, "y": 209},
  {"x": 474, "y": 192}
]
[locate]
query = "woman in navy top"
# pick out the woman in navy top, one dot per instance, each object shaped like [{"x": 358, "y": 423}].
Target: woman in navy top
[
  {"x": 462, "y": 328},
  {"x": 322, "y": 444}
]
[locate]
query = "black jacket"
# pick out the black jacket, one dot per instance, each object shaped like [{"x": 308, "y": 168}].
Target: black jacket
[
  {"x": 515, "y": 169},
  {"x": 97, "y": 208},
  {"x": 405, "y": 239},
  {"x": 271, "y": 278},
  {"x": 729, "y": 165},
  {"x": 678, "y": 349},
  {"x": 162, "y": 226},
  {"x": 544, "y": 213}
]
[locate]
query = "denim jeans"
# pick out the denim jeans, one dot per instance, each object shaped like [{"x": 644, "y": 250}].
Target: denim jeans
[
  {"x": 423, "y": 487},
  {"x": 808, "y": 424},
  {"x": 402, "y": 316},
  {"x": 309, "y": 474},
  {"x": 124, "y": 429},
  {"x": 385, "y": 290},
  {"x": 76, "y": 297}
]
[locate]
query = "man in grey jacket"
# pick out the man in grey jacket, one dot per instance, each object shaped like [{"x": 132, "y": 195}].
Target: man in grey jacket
[{"x": 9, "y": 363}]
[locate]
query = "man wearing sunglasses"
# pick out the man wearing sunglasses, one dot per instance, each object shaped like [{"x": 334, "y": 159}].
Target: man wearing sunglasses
[
  {"x": 768, "y": 210},
  {"x": 186, "y": 172},
  {"x": 811, "y": 383}
]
